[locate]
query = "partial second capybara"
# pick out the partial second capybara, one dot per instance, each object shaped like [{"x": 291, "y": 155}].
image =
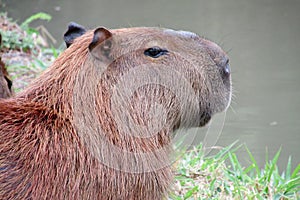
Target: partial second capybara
[
  {"x": 5, "y": 82},
  {"x": 99, "y": 122}
]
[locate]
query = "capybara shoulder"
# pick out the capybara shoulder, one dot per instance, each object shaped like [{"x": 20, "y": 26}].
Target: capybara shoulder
[{"x": 99, "y": 122}]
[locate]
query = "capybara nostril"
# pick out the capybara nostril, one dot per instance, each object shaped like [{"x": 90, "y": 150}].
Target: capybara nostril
[
  {"x": 218, "y": 56},
  {"x": 224, "y": 66}
]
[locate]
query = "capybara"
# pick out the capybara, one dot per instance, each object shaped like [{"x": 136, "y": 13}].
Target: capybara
[
  {"x": 5, "y": 82},
  {"x": 99, "y": 123}
]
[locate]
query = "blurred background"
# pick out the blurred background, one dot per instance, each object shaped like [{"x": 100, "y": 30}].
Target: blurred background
[{"x": 262, "y": 38}]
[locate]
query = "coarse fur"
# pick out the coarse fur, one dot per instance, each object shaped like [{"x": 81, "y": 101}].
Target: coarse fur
[
  {"x": 5, "y": 82},
  {"x": 49, "y": 145}
]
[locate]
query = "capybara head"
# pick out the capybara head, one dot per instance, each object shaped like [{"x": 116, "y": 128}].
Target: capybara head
[
  {"x": 99, "y": 123},
  {"x": 149, "y": 82}
]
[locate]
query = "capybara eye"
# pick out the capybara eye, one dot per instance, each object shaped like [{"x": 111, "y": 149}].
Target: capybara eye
[{"x": 155, "y": 52}]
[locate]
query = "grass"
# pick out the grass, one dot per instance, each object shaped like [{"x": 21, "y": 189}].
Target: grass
[
  {"x": 24, "y": 50},
  {"x": 21, "y": 37},
  {"x": 222, "y": 176},
  {"x": 218, "y": 176}
]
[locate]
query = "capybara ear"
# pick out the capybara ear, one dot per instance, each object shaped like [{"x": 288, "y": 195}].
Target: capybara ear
[
  {"x": 74, "y": 31},
  {"x": 101, "y": 45}
]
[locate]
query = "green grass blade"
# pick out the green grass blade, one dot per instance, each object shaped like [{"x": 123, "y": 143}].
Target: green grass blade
[
  {"x": 254, "y": 163},
  {"x": 190, "y": 192},
  {"x": 224, "y": 151},
  {"x": 40, "y": 15},
  {"x": 296, "y": 172},
  {"x": 273, "y": 165},
  {"x": 290, "y": 185},
  {"x": 288, "y": 169},
  {"x": 249, "y": 169}
]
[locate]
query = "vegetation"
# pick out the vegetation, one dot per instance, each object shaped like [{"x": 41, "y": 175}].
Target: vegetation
[
  {"x": 211, "y": 177},
  {"x": 24, "y": 49},
  {"x": 219, "y": 176}
]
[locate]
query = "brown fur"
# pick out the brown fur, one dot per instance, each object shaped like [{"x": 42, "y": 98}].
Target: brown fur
[
  {"x": 46, "y": 154},
  {"x": 5, "y": 82}
]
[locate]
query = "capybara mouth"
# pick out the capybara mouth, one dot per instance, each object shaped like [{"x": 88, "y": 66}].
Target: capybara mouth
[{"x": 204, "y": 118}]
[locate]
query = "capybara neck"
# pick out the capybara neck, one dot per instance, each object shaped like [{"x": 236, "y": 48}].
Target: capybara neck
[{"x": 56, "y": 84}]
